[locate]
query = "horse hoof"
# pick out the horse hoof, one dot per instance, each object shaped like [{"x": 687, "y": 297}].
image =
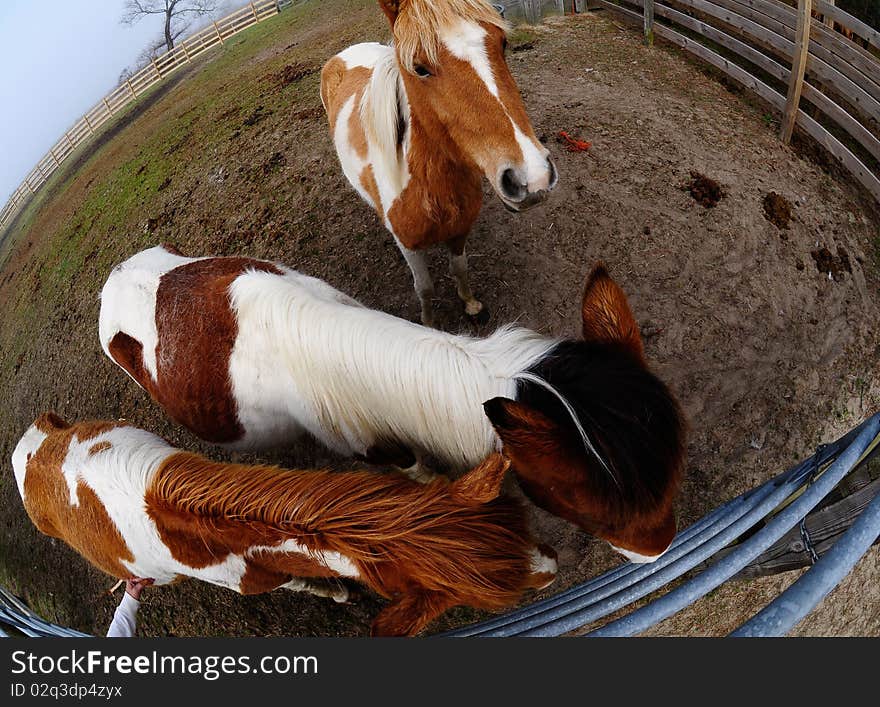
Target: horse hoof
[
  {"x": 481, "y": 317},
  {"x": 352, "y": 596}
]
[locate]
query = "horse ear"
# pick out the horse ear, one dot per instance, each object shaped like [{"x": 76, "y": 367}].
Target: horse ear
[
  {"x": 128, "y": 353},
  {"x": 518, "y": 425},
  {"x": 50, "y": 422},
  {"x": 482, "y": 483},
  {"x": 607, "y": 317},
  {"x": 391, "y": 8}
]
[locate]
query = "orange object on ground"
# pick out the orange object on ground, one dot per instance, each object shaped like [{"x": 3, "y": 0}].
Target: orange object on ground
[{"x": 574, "y": 144}]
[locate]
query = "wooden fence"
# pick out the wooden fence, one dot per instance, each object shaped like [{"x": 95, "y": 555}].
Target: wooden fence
[
  {"x": 775, "y": 57},
  {"x": 188, "y": 49},
  {"x": 786, "y": 55}
]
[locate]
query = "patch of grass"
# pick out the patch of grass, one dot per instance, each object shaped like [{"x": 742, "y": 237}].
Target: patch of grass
[{"x": 521, "y": 35}]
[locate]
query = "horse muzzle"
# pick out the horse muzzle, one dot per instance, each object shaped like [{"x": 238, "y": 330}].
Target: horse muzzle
[{"x": 518, "y": 193}]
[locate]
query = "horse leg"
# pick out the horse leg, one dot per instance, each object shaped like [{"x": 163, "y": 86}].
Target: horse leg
[
  {"x": 333, "y": 590},
  {"x": 420, "y": 471},
  {"x": 458, "y": 268},
  {"x": 409, "y": 463},
  {"x": 424, "y": 285}
]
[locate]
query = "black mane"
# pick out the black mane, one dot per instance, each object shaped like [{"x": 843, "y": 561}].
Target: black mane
[{"x": 628, "y": 413}]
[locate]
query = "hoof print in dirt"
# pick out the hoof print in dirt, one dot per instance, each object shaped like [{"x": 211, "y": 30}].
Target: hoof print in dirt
[
  {"x": 704, "y": 190},
  {"x": 834, "y": 265},
  {"x": 777, "y": 210}
]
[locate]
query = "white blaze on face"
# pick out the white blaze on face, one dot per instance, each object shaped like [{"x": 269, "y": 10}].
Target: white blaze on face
[
  {"x": 467, "y": 41},
  {"x": 24, "y": 450}
]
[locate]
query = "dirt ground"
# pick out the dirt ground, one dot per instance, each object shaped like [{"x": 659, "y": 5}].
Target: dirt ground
[{"x": 768, "y": 353}]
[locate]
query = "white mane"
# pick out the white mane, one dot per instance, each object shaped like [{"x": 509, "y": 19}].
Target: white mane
[
  {"x": 387, "y": 378},
  {"x": 384, "y": 113}
]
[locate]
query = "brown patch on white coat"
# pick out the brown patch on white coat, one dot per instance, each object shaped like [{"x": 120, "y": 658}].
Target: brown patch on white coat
[{"x": 191, "y": 383}]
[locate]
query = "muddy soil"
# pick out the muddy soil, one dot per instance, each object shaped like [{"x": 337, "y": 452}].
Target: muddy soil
[
  {"x": 777, "y": 210},
  {"x": 768, "y": 357},
  {"x": 704, "y": 190}
]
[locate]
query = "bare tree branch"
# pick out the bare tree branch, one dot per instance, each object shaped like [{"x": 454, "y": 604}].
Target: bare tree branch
[{"x": 173, "y": 10}]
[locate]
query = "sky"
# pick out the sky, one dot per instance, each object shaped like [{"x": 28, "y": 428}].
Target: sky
[{"x": 58, "y": 58}]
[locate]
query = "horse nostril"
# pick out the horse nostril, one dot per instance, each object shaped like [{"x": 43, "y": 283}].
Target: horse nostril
[
  {"x": 554, "y": 175},
  {"x": 511, "y": 187}
]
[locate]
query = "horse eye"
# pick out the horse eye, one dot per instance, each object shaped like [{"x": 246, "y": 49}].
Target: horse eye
[
  {"x": 422, "y": 71},
  {"x": 504, "y": 44}
]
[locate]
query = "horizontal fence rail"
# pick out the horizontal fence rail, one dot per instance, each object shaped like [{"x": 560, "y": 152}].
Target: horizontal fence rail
[
  {"x": 14, "y": 614},
  {"x": 758, "y": 44},
  {"x": 163, "y": 66}
]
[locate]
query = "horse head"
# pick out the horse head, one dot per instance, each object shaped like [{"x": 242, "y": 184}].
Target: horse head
[
  {"x": 451, "y": 55},
  {"x": 594, "y": 436}
]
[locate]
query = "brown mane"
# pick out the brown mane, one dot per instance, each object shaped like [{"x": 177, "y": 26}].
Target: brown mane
[
  {"x": 379, "y": 521},
  {"x": 420, "y": 22}
]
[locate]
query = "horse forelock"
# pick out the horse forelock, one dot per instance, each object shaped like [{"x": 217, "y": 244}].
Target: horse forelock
[{"x": 420, "y": 24}]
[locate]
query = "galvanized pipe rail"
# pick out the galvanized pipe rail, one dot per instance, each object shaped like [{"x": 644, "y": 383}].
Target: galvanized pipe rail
[{"x": 810, "y": 481}]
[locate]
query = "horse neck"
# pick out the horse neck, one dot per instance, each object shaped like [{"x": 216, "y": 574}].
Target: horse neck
[
  {"x": 127, "y": 460},
  {"x": 433, "y": 160}
]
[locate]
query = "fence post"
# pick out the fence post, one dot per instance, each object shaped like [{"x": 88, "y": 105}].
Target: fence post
[
  {"x": 156, "y": 67},
  {"x": 798, "y": 66},
  {"x": 131, "y": 88},
  {"x": 829, "y": 22},
  {"x": 649, "y": 23},
  {"x": 217, "y": 30},
  {"x": 254, "y": 10}
]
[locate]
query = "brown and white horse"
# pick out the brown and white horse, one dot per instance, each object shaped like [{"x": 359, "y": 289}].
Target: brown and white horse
[
  {"x": 133, "y": 505},
  {"x": 252, "y": 354},
  {"x": 417, "y": 125}
]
